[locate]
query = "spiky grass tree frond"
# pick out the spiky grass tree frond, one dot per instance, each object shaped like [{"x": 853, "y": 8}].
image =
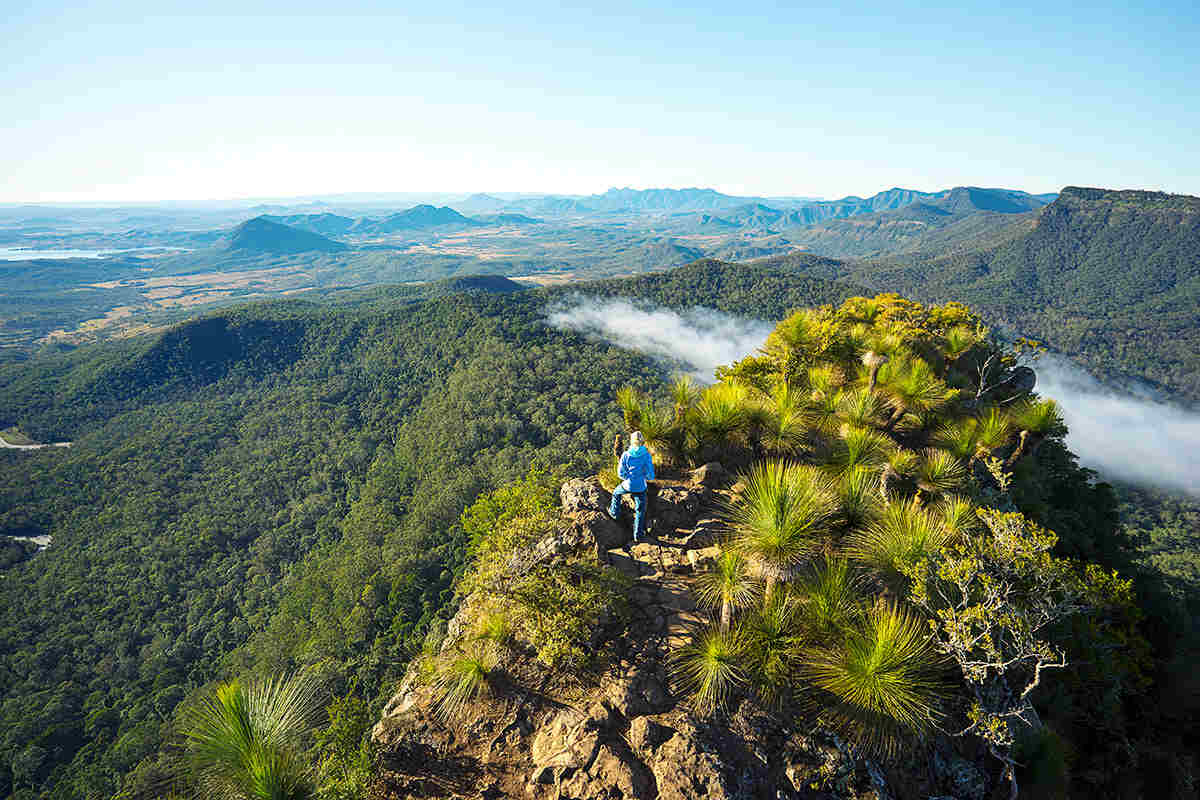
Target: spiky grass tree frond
[
  {"x": 912, "y": 387},
  {"x": 960, "y": 437},
  {"x": 495, "y": 626},
  {"x": 783, "y": 428},
  {"x": 709, "y": 669},
  {"x": 630, "y": 403},
  {"x": 781, "y": 516},
  {"x": 939, "y": 471},
  {"x": 1040, "y": 417},
  {"x": 830, "y": 598},
  {"x": 858, "y": 499},
  {"x": 728, "y": 587},
  {"x": 721, "y": 417},
  {"x": 824, "y": 380},
  {"x": 684, "y": 394},
  {"x": 659, "y": 431},
  {"x": 903, "y": 535},
  {"x": 245, "y": 740},
  {"x": 463, "y": 679},
  {"x": 880, "y": 683},
  {"x": 994, "y": 429},
  {"x": 904, "y": 462},
  {"x": 959, "y": 341},
  {"x": 861, "y": 408},
  {"x": 858, "y": 447},
  {"x": 823, "y": 411},
  {"x": 772, "y": 634},
  {"x": 958, "y": 516}
]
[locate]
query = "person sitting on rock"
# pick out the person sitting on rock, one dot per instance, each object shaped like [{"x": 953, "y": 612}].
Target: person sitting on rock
[{"x": 635, "y": 469}]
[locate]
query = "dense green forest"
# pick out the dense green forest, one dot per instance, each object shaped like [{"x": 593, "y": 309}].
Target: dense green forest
[{"x": 274, "y": 486}]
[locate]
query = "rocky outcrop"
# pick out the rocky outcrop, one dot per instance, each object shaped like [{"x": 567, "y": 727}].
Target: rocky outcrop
[{"x": 620, "y": 732}]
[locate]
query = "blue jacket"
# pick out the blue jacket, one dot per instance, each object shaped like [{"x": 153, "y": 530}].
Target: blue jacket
[{"x": 636, "y": 468}]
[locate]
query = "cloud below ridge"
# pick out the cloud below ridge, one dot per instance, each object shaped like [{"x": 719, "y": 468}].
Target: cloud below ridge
[
  {"x": 699, "y": 337},
  {"x": 1123, "y": 437}
]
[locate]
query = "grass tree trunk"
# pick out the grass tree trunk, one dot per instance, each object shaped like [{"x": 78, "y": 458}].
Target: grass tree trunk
[
  {"x": 873, "y": 362},
  {"x": 726, "y": 614}
]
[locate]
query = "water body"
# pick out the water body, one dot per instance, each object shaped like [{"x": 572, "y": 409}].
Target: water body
[{"x": 28, "y": 254}]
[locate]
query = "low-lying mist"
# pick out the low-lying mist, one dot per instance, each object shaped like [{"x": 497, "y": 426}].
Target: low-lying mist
[
  {"x": 1121, "y": 437},
  {"x": 700, "y": 338}
]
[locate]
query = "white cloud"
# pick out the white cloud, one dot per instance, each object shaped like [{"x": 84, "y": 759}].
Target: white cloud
[
  {"x": 700, "y": 338},
  {"x": 1122, "y": 437}
]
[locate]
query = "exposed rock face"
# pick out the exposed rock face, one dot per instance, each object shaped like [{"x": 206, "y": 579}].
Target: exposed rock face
[{"x": 621, "y": 733}]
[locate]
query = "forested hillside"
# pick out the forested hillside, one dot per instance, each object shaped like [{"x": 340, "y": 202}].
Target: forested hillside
[
  {"x": 274, "y": 486},
  {"x": 1111, "y": 278}
]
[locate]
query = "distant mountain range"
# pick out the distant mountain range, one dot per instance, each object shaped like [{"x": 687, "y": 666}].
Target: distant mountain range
[{"x": 779, "y": 210}]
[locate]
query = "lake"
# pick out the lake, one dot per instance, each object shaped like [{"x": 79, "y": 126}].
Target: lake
[{"x": 28, "y": 254}]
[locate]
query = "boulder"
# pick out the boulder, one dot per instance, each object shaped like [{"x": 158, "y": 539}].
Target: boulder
[
  {"x": 685, "y": 770},
  {"x": 568, "y": 740},
  {"x": 709, "y": 475},
  {"x": 960, "y": 776},
  {"x": 596, "y": 529},
  {"x": 675, "y": 508},
  {"x": 645, "y": 735},
  {"x": 611, "y": 774},
  {"x": 583, "y": 494},
  {"x": 638, "y": 692}
]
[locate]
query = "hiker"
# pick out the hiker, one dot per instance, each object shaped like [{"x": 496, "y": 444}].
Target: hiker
[{"x": 635, "y": 469}]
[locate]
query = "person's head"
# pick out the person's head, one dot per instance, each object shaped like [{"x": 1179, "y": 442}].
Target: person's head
[{"x": 636, "y": 439}]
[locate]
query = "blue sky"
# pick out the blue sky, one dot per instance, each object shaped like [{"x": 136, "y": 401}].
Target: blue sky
[{"x": 170, "y": 101}]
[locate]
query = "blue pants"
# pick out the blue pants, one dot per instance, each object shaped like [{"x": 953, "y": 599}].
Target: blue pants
[{"x": 639, "y": 509}]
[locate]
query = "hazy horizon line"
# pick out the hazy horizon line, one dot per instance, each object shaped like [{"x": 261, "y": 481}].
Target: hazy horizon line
[{"x": 350, "y": 196}]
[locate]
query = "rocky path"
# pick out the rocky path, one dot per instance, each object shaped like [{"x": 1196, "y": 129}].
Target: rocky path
[
  {"x": 661, "y": 568},
  {"x": 622, "y": 734}
]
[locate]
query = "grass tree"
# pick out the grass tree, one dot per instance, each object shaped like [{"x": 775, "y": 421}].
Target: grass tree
[
  {"x": 684, "y": 394},
  {"x": 244, "y": 741},
  {"x": 971, "y": 437},
  {"x": 879, "y": 683},
  {"x": 913, "y": 388},
  {"x": 904, "y": 534},
  {"x": 939, "y": 472},
  {"x": 773, "y": 638},
  {"x": 784, "y": 427},
  {"x": 1035, "y": 420},
  {"x": 830, "y": 597},
  {"x": 858, "y": 500},
  {"x": 710, "y": 667},
  {"x": 873, "y": 361},
  {"x": 861, "y": 408},
  {"x": 463, "y": 678},
  {"x": 629, "y": 400},
  {"x": 728, "y": 587},
  {"x": 721, "y": 417},
  {"x": 858, "y": 447},
  {"x": 780, "y": 519}
]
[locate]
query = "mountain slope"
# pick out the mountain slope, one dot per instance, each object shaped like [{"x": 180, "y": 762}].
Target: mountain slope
[
  {"x": 1111, "y": 277},
  {"x": 420, "y": 217},
  {"x": 324, "y": 224},
  {"x": 261, "y": 235}
]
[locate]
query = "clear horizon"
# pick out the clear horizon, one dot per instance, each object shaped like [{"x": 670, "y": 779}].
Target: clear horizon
[{"x": 136, "y": 103}]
